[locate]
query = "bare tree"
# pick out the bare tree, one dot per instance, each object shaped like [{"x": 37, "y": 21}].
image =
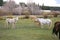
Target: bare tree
[
  {"x": 34, "y": 8},
  {"x": 17, "y": 10},
  {"x": 10, "y": 5}
]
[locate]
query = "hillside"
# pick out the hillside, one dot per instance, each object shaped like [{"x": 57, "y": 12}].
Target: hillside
[{"x": 50, "y": 8}]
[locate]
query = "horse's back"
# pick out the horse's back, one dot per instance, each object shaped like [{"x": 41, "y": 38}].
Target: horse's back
[
  {"x": 48, "y": 20},
  {"x": 44, "y": 21},
  {"x": 10, "y": 20}
]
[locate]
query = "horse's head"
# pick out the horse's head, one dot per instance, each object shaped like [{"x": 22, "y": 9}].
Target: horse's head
[
  {"x": 57, "y": 26},
  {"x": 16, "y": 18}
]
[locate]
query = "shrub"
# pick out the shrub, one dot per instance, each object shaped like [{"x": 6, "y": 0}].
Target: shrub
[
  {"x": 26, "y": 13},
  {"x": 55, "y": 14},
  {"x": 2, "y": 18},
  {"x": 10, "y": 16},
  {"x": 45, "y": 16}
]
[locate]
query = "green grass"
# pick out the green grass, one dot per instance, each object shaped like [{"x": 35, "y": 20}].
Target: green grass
[{"x": 26, "y": 29}]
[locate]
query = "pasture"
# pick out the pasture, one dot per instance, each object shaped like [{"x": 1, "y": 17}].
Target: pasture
[{"x": 26, "y": 29}]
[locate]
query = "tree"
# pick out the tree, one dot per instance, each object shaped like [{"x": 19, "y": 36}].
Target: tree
[
  {"x": 17, "y": 11},
  {"x": 55, "y": 14},
  {"x": 1, "y": 2},
  {"x": 34, "y": 8},
  {"x": 45, "y": 7},
  {"x": 10, "y": 5}
]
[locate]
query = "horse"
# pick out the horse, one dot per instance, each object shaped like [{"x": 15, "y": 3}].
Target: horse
[
  {"x": 56, "y": 29},
  {"x": 11, "y": 21},
  {"x": 42, "y": 21}
]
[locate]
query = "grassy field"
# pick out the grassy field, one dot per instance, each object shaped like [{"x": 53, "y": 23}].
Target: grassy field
[{"x": 26, "y": 29}]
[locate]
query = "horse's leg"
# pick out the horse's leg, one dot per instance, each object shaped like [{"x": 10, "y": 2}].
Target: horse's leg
[
  {"x": 6, "y": 24},
  {"x": 13, "y": 25},
  {"x": 38, "y": 23},
  {"x": 56, "y": 33},
  {"x": 50, "y": 25},
  {"x": 59, "y": 35},
  {"x": 53, "y": 31},
  {"x": 41, "y": 25}
]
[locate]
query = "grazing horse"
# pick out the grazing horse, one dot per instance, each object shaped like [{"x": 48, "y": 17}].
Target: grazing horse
[
  {"x": 56, "y": 29},
  {"x": 11, "y": 21},
  {"x": 42, "y": 21}
]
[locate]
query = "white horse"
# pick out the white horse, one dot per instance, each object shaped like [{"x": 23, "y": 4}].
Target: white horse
[
  {"x": 11, "y": 21},
  {"x": 43, "y": 21}
]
